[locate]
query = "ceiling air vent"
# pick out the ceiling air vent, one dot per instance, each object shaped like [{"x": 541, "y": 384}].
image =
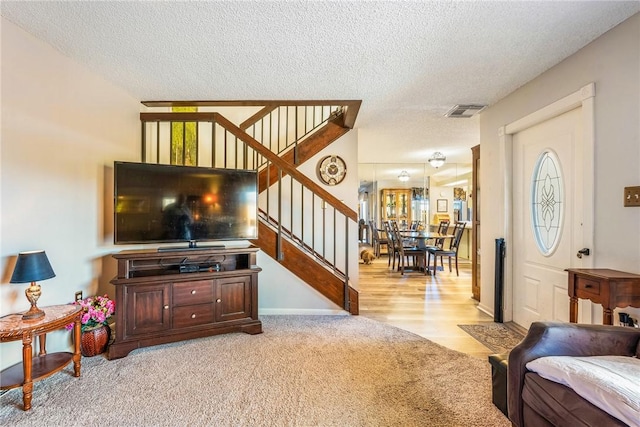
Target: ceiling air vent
[{"x": 465, "y": 110}]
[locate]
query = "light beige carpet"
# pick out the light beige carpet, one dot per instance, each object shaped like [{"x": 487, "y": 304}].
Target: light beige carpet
[{"x": 302, "y": 371}]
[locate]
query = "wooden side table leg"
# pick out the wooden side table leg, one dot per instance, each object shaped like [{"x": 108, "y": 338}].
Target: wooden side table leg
[
  {"x": 76, "y": 346},
  {"x": 27, "y": 356},
  {"x": 42, "y": 341},
  {"x": 607, "y": 317},
  {"x": 573, "y": 309}
]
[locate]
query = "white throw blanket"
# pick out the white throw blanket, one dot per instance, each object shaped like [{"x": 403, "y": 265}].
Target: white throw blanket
[{"x": 612, "y": 383}]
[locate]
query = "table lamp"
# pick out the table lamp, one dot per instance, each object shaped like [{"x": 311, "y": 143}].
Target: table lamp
[{"x": 31, "y": 267}]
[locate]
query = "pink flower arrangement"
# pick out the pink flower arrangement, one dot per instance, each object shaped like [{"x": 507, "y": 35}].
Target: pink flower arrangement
[{"x": 95, "y": 311}]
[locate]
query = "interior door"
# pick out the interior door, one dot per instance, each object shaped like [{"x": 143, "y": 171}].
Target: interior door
[{"x": 547, "y": 216}]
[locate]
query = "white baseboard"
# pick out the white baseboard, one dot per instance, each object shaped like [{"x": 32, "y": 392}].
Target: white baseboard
[
  {"x": 302, "y": 311},
  {"x": 485, "y": 309}
]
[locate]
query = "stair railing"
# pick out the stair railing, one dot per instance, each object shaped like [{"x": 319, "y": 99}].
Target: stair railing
[
  {"x": 282, "y": 128},
  {"x": 299, "y": 209},
  {"x": 269, "y": 125}
]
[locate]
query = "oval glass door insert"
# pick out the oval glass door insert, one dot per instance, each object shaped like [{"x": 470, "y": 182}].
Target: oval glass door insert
[{"x": 547, "y": 202}]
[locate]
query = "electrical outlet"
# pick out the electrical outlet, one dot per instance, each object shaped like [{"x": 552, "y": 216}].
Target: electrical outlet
[
  {"x": 631, "y": 196},
  {"x": 78, "y": 296}
]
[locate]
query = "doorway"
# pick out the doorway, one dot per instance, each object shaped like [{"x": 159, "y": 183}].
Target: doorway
[{"x": 550, "y": 155}]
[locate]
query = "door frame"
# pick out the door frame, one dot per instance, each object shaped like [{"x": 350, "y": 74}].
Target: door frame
[{"x": 585, "y": 98}]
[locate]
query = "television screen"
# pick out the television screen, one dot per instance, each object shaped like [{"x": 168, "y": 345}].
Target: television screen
[{"x": 164, "y": 203}]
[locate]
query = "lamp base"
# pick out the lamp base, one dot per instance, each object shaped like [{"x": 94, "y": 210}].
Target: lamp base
[
  {"x": 33, "y": 293},
  {"x": 33, "y": 313}
]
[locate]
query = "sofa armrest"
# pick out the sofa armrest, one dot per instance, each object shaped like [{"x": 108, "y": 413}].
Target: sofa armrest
[{"x": 563, "y": 339}]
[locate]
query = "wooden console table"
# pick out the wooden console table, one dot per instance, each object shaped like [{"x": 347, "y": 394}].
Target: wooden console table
[
  {"x": 610, "y": 288},
  {"x": 13, "y": 328}
]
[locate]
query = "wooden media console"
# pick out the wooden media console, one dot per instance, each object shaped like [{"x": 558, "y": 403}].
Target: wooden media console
[{"x": 182, "y": 294}]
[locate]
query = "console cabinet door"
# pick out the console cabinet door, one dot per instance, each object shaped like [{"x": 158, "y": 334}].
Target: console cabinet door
[
  {"x": 147, "y": 308},
  {"x": 233, "y": 298}
]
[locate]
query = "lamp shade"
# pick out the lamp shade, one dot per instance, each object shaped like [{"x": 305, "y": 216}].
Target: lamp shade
[{"x": 32, "y": 266}]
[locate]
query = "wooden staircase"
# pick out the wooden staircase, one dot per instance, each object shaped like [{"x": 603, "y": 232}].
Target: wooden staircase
[{"x": 285, "y": 232}]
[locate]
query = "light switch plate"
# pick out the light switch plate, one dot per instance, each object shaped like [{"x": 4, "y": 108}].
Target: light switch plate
[{"x": 632, "y": 196}]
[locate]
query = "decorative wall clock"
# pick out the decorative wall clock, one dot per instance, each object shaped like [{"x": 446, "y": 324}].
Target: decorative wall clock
[{"x": 332, "y": 170}]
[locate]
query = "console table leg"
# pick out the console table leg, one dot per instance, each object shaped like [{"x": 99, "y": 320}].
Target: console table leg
[
  {"x": 607, "y": 318},
  {"x": 27, "y": 356},
  {"x": 76, "y": 346},
  {"x": 573, "y": 309}
]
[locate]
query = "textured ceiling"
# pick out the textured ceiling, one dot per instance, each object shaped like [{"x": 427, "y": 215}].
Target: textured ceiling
[{"x": 409, "y": 62}]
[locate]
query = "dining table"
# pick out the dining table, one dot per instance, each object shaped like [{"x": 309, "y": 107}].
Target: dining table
[{"x": 421, "y": 236}]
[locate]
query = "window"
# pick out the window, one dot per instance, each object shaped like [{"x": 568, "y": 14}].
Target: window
[{"x": 184, "y": 139}]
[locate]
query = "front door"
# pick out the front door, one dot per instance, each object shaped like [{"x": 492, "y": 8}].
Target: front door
[{"x": 547, "y": 215}]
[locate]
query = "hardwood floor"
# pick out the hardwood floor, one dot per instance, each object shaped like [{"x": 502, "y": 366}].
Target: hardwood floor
[{"x": 428, "y": 306}]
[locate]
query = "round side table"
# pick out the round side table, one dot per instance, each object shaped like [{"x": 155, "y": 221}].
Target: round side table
[{"x": 31, "y": 369}]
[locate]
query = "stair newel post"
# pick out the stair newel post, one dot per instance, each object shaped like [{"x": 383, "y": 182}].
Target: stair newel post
[{"x": 346, "y": 265}]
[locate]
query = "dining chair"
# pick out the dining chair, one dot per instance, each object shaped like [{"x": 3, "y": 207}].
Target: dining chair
[
  {"x": 391, "y": 245},
  {"x": 377, "y": 240},
  {"x": 451, "y": 252},
  {"x": 407, "y": 249},
  {"x": 443, "y": 227}
]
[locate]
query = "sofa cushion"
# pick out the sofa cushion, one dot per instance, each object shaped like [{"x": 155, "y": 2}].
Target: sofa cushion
[
  {"x": 548, "y": 403},
  {"x": 612, "y": 383}
]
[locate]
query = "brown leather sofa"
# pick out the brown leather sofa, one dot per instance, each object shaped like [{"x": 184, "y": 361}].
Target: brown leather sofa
[{"x": 535, "y": 401}]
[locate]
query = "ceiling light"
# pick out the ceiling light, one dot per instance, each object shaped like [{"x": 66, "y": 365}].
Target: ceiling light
[
  {"x": 404, "y": 176},
  {"x": 437, "y": 159}
]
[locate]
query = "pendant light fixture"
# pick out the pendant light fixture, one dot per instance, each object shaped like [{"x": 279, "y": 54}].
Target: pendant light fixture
[{"x": 437, "y": 159}]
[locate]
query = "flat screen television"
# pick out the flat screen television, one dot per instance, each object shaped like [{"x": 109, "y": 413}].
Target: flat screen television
[{"x": 157, "y": 203}]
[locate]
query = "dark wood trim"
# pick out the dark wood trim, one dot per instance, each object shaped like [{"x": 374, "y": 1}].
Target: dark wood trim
[
  {"x": 354, "y": 301},
  {"x": 178, "y": 117},
  {"x": 475, "y": 221},
  {"x": 351, "y": 112},
  {"x": 252, "y": 103},
  {"x": 257, "y": 116}
]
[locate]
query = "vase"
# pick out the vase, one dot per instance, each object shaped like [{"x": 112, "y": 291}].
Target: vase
[{"x": 94, "y": 341}]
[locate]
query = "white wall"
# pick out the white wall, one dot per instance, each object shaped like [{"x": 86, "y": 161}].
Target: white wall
[
  {"x": 613, "y": 63},
  {"x": 62, "y": 128}
]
